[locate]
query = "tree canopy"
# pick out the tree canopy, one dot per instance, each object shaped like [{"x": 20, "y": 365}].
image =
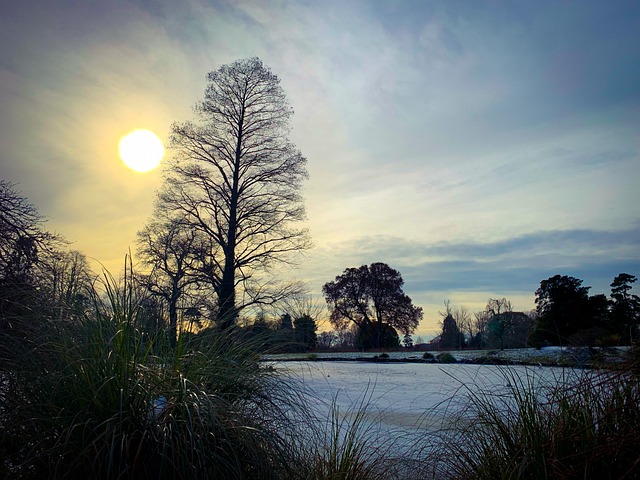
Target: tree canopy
[
  {"x": 372, "y": 298},
  {"x": 562, "y": 306},
  {"x": 625, "y": 307}
]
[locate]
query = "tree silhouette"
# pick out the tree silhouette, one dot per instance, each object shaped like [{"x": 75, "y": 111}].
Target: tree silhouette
[
  {"x": 22, "y": 236},
  {"x": 562, "y": 306},
  {"x": 237, "y": 178},
  {"x": 171, "y": 250},
  {"x": 451, "y": 336},
  {"x": 372, "y": 298},
  {"x": 625, "y": 307}
]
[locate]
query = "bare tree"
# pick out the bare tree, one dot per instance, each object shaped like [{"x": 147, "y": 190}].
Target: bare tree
[
  {"x": 22, "y": 236},
  {"x": 480, "y": 324},
  {"x": 301, "y": 304},
  {"x": 455, "y": 322},
  {"x": 464, "y": 321},
  {"x": 499, "y": 322},
  {"x": 326, "y": 340},
  {"x": 68, "y": 281},
  {"x": 170, "y": 249},
  {"x": 237, "y": 179}
]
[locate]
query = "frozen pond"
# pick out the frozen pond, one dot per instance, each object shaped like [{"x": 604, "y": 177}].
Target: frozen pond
[{"x": 411, "y": 398}]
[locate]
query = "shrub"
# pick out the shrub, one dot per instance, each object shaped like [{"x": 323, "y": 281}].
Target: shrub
[
  {"x": 446, "y": 357},
  {"x": 428, "y": 356}
]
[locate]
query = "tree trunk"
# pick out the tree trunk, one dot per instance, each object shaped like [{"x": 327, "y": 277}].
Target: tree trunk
[{"x": 227, "y": 297}]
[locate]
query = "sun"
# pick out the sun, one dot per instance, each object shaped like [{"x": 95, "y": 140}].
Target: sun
[{"x": 141, "y": 150}]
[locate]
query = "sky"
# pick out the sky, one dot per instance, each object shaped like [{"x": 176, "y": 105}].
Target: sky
[{"x": 476, "y": 146}]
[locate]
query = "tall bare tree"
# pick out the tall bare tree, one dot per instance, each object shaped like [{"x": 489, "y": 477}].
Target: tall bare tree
[
  {"x": 463, "y": 318},
  {"x": 237, "y": 178}
]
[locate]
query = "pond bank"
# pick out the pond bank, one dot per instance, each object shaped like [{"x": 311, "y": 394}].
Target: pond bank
[{"x": 575, "y": 357}]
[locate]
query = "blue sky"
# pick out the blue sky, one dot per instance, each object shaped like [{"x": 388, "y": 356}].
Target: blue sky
[{"x": 479, "y": 147}]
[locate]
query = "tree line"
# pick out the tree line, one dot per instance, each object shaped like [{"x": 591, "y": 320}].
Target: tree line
[{"x": 564, "y": 315}]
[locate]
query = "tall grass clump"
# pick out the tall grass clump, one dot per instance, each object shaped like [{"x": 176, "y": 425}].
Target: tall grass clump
[
  {"x": 582, "y": 427},
  {"x": 101, "y": 398}
]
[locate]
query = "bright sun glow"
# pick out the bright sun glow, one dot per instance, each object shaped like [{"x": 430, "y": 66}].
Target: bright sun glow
[{"x": 141, "y": 150}]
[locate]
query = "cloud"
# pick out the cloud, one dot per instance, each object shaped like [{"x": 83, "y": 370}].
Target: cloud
[
  {"x": 477, "y": 147},
  {"x": 514, "y": 264}
]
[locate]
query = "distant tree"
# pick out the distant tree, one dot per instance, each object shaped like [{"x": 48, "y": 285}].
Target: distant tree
[
  {"x": 67, "y": 281},
  {"x": 237, "y": 179},
  {"x": 327, "y": 340},
  {"x": 388, "y": 338},
  {"x": 562, "y": 307},
  {"x": 284, "y": 334},
  {"x": 286, "y": 323},
  {"x": 346, "y": 336},
  {"x": 260, "y": 325},
  {"x": 372, "y": 298},
  {"x": 464, "y": 321},
  {"x": 499, "y": 323},
  {"x": 299, "y": 304},
  {"x": 407, "y": 341},
  {"x": 625, "y": 307},
  {"x": 24, "y": 245},
  {"x": 305, "y": 332},
  {"x": 481, "y": 329},
  {"x": 451, "y": 336}
]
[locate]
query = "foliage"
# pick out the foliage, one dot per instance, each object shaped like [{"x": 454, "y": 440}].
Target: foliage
[
  {"x": 388, "y": 338},
  {"x": 625, "y": 307},
  {"x": 349, "y": 447},
  {"x": 587, "y": 429},
  {"x": 237, "y": 180},
  {"x": 566, "y": 314},
  {"x": 562, "y": 305},
  {"x": 102, "y": 399},
  {"x": 305, "y": 332},
  {"x": 446, "y": 357},
  {"x": 23, "y": 238},
  {"x": 372, "y": 298}
]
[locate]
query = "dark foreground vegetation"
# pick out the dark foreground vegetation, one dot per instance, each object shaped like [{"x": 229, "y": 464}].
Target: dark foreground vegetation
[{"x": 99, "y": 397}]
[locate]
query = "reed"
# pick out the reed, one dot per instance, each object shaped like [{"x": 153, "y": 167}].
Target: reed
[
  {"x": 586, "y": 427},
  {"x": 102, "y": 398}
]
